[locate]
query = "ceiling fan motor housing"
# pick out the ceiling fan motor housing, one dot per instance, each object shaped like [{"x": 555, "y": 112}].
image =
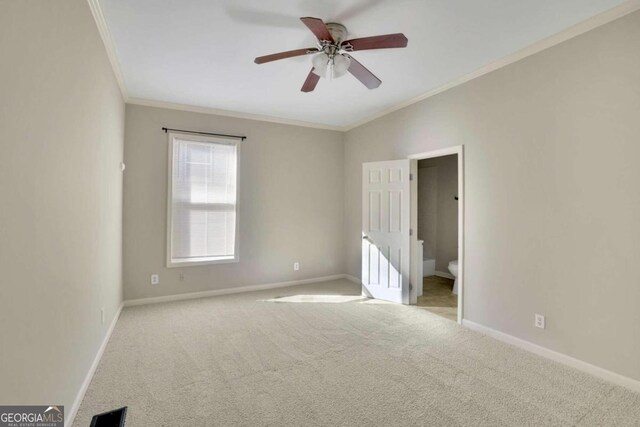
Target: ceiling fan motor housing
[{"x": 338, "y": 32}]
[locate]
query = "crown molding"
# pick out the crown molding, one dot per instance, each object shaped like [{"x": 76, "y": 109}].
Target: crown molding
[
  {"x": 105, "y": 34},
  {"x": 228, "y": 113},
  {"x": 595, "y": 21}
]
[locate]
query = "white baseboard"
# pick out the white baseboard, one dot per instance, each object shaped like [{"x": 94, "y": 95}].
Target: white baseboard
[
  {"x": 353, "y": 279},
  {"x": 87, "y": 380},
  {"x": 445, "y": 275},
  {"x": 228, "y": 291},
  {"x": 596, "y": 371}
]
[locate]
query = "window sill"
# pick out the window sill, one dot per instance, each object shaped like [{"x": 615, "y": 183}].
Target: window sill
[{"x": 202, "y": 261}]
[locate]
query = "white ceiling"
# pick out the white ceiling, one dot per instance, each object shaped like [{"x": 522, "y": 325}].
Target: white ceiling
[{"x": 200, "y": 52}]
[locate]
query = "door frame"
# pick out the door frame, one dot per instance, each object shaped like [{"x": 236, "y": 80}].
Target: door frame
[{"x": 459, "y": 150}]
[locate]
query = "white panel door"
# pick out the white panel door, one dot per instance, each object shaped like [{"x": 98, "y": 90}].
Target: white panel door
[{"x": 386, "y": 241}]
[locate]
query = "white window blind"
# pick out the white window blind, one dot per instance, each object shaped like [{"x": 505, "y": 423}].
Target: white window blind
[{"x": 203, "y": 205}]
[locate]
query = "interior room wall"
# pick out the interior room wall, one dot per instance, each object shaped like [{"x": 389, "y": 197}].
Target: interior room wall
[
  {"x": 446, "y": 243},
  {"x": 291, "y": 204},
  {"x": 551, "y": 186},
  {"x": 62, "y": 121},
  {"x": 428, "y": 209}
]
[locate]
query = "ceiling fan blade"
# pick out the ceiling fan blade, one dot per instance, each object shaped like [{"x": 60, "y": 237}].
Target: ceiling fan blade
[
  {"x": 318, "y": 28},
  {"x": 311, "y": 82},
  {"x": 283, "y": 55},
  {"x": 378, "y": 42},
  {"x": 365, "y": 76}
]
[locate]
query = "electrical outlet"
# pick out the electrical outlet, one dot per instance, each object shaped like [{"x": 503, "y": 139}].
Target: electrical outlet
[
  {"x": 296, "y": 266},
  {"x": 155, "y": 279},
  {"x": 539, "y": 321},
  {"x": 102, "y": 315}
]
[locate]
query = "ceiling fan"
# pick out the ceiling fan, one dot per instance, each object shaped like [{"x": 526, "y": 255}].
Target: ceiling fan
[{"x": 331, "y": 56}]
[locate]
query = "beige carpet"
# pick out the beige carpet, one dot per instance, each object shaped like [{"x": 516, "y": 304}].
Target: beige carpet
[{"x": 244, "y": 360}]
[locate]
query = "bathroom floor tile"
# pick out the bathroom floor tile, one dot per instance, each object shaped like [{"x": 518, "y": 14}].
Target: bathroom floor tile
[{"x": 437, "y": 297}]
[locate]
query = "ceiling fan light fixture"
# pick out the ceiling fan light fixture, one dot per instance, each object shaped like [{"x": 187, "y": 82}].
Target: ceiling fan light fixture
[
  {"x": 330, "y": 67},
  {"x": 341, "y": 64},
  {"x": 320, "y": 64}
]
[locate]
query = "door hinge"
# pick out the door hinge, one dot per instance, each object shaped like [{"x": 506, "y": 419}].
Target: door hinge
[
  {"x": 410, "y": 177},
  {"x": 410, "y": 286},
  {"x": 411, "y": 232}
]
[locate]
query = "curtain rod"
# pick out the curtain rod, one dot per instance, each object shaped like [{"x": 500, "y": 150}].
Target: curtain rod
[{"x": 205, "y": 133}]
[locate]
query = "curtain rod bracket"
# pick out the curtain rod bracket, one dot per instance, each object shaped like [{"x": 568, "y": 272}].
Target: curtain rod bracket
[{"x": 240, "y": 137}]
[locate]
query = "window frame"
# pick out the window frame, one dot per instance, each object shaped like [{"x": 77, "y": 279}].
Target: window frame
[{"x": 172, "y": 136}]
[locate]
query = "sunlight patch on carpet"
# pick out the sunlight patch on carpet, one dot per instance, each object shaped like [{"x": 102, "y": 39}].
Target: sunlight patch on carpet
[{"x": 332, "y": 299}]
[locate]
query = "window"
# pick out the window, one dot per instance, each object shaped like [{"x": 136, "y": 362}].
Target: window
[{"x": 203, "y": 193}]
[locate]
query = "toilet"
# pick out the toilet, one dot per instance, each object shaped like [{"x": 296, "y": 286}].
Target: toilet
[{"x": 453, "y": 268}]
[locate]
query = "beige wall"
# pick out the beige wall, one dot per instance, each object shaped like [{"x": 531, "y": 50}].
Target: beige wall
[
  {"x": 552, "y": 191},
  {"x": 62, "y": 122},
  {"x": 446, "y": 227},
  {"x": 291, "y": 204}
]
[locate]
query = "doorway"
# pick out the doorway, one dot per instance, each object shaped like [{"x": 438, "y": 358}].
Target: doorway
[
  {"x": 437, "y": 213},
  {"x": 392, "y": 260}
]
